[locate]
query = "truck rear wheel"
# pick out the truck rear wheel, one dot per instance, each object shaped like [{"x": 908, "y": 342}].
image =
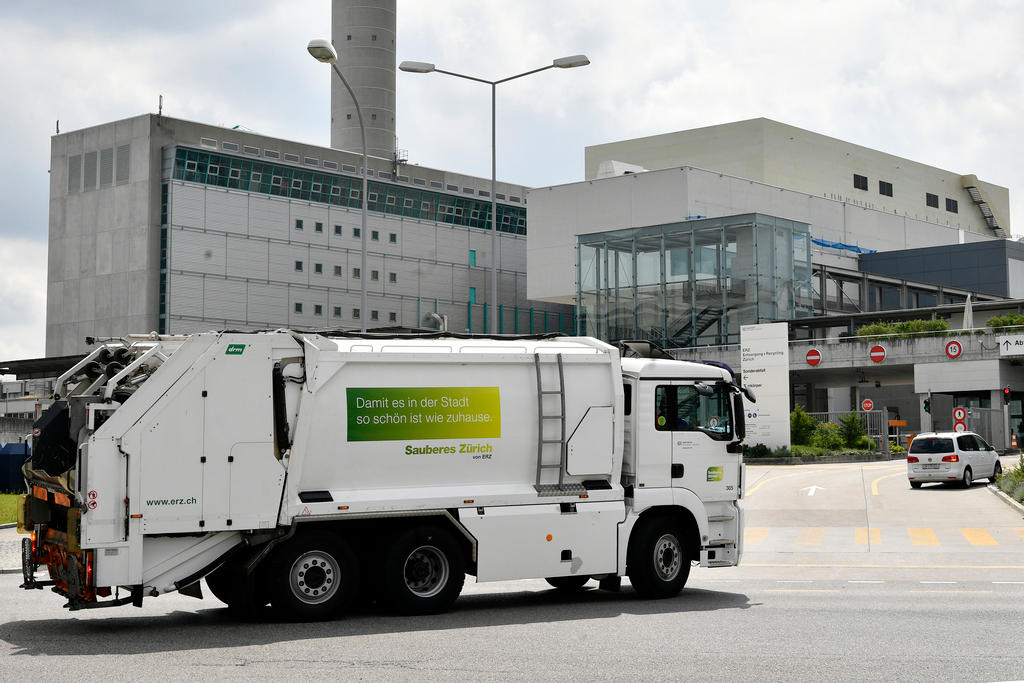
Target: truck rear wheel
[
  {"x": 657, "y": 562},
  {"x": 313, "y": 576},
  {"x": 424, "y": 571},
  {"x": 242, "y": 593}
]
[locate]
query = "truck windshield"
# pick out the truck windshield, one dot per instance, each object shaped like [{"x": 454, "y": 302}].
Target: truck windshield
[{"x": 679, "y": 408}]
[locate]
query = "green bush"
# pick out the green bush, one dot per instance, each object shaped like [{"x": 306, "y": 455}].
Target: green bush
[
  {"x": 758, "y": 450},
  {"x": 864, "y": 444},
  {"x": 801, "y": 427},
  {"x": 1000, "y": 323},
  {"x": 851, "y": 429},
  {"x": 826, "y": 435},
  {"x": 807, "y": 452},
  {"x": 903, "y": 328},
  {"x": 895, "y": 448},
  {"x": 782, "y": 452}
]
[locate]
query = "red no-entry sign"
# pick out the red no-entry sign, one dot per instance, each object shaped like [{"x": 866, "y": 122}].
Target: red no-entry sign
[
  {"x": 867, "y": 404},
  {"x": 813, "y": 357},
  {"x": 877, "y": 353}
]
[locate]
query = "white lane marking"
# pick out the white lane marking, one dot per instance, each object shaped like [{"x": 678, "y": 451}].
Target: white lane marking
[
  {"x": 1015, "y": 583},
  {"x": 811, "y": 489}
]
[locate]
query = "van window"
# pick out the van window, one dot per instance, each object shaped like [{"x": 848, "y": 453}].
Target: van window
[
  {"x": 627, "y": 398},
  {"x": 920, "y": 445},
  {"x": 967, "y": 443},
  {"x": 679, "y": 408}
]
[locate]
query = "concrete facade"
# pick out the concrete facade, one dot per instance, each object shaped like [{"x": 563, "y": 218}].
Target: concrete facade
[
  {"x": 228, "y": 256},
  {"x": 785, "y": 156}
]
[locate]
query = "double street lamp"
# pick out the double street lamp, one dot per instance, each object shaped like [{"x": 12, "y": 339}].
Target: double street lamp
[
  {"x": 323, "y": 51},
  {"x": 426, "y": 67}
]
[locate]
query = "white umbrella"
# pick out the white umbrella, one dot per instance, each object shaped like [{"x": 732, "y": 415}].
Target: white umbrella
[{"x": 968, "y": 315}]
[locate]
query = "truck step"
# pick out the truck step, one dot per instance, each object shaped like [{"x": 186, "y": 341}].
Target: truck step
[
  {"x": 721, "y": 518},
  {"x": 548, "y": 490}
]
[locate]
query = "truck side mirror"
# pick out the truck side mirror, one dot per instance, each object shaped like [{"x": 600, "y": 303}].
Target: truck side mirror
[
  {"x": 740, "y": 426},
  {"x": 704, "y": 389},
  {"x": 749, "y": 394}
]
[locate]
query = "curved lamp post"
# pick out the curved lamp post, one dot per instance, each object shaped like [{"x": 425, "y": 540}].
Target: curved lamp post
[
  {"x": 323, "y": 51},
  {"x": 426, "y": 67}
]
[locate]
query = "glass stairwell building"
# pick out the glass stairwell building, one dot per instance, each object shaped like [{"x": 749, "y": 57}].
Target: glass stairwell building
[{"x": 694, "y": 282}]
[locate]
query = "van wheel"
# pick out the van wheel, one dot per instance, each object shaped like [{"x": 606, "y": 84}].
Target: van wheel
[
  {"x": 423, "y": 572},
  {"x": 657, "y": 562},
  {"x": 915, "y": 484},
  {"x": 968, "y": 478},
  {"x": 996, "y": 472},
  {"x": 313, "y": 577},
  {"x": 568, "y": 583}
]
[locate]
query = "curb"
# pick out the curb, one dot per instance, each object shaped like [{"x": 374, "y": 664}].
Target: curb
[
  {"x": 1006, "y": 499},
  {"x": 9, "y": 525},
  {"x": 10, "y": 571}
]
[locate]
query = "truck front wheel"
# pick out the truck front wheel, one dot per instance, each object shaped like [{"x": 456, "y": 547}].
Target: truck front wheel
[
  {"x": 313, "y": 577},
  {"x": 424, "y": 570},
  {"x": 657, "y": 562}
]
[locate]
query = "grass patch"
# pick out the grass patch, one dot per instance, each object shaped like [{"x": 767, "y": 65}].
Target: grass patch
[{"x": 8, "y": 508}]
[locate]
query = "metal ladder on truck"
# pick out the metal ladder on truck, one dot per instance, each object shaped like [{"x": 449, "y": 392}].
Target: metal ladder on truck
[{"x": 545, "y": 444}]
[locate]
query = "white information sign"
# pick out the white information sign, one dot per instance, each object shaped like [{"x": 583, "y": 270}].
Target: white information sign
[
  {"x": 764, "y": 361},
  {"x": 1011, "y": 345}
]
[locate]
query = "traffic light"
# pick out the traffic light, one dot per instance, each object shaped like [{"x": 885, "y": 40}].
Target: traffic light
[
  {"x": 927, "y": 405},
  {"x": 1006, "y": 395}
]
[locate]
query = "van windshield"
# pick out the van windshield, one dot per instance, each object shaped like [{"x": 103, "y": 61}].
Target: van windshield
[{"x": 931, "y": 446}]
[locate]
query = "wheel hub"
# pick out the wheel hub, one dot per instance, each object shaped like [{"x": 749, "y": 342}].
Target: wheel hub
[
  {"x": 667, "y": 557},
  {"x": 426, "y": 571},
  {"x": 314, "y": 577}
]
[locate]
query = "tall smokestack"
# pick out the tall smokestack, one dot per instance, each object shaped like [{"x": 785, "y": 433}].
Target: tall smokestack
[{"x": 363, "y": 34}]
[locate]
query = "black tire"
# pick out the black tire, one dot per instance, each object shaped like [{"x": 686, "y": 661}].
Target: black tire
[
  {"x": 915, "y": 484},
  {"x": 657, "y": 562},
  {"x": 568, "y": 583},
  {"x": 996, "y": 472},
  {"x": 968, "y": 478},
  {"x": 312, "y": 577},
  {"x": 424, "y": 571}
]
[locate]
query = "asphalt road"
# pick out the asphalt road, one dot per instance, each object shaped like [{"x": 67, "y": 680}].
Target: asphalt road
[{"x": 833, "y": 586}]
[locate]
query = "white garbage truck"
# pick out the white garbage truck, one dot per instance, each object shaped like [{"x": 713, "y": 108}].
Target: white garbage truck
[{"x": 306, "y": 470}]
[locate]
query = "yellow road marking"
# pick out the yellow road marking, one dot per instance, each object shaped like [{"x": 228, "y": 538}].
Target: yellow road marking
[
  {"x": 923, "y": 537},
  {"x": 867, "y": 536},
  {"x": 978, "y": 537},
  {"x": 761, "y": 483},
  {"x": 811, "y": 536},
  {"x": 753, "y": 535},
  {"x": 874, "y": 484},
  {"x": 1020, "y": 532}
]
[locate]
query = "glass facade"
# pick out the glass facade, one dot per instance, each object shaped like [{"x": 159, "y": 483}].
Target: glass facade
[
  {"x": 695, "y": 282},
  {"x": 280, "y": 180}
]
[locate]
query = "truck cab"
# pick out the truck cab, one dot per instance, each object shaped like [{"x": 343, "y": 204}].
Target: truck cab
[{"x": 683, "y": 428}]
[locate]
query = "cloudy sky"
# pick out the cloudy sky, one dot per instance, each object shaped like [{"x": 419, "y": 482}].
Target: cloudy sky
[{"x": 938, "y": 81}]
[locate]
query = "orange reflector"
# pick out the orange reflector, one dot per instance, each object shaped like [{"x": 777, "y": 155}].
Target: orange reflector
[
  {"x": 343, "y": 507},
  {"x": 136, "y": 516},
  {"x": 39, "y": 492},
  {"x": 468, "y": 502},
  {"x": 61, "y": 499},
  {"x": 549, "y": 537},
  {"x": 584, "y": 495}
]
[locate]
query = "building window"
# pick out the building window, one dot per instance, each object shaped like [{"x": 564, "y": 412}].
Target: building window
[
  {"x": 374, "y": 315},
  {"x": 373, "y": 117},
  {"x": 374, "y": 275},
  {"x": 472, "y": 295},
  {"x": 393, "y": 237},
  {"x": 931, "y": 200},
  {"x": 318, "y": 268},
  {"x": 318, "y": 309},
  {"x": 348, "y": 116},
  {"x": 298, "y": 266},
  {"x": 355, "y": 232},
  {"x": 298, "y": 307},
  {"x": 392, "y": 277},
  {"x": 355, "y": 313},
  {"x": 375, "y": 235},
  {"x": 337, "y": 311},
  {"x": 337, "y": 271},
  {"x": 884, "y": 188},
  {"x": 392, "y": 317},
  {"x": 298, "y": 224},
  {"x": 318, "y": 227},
  {"x": 951, "y": 205},
  {"x": 355, "y": 273},
  {"x": 860, "y": 181},
  {"x": 472, "y": 257},
  {"x": 337, "y": 229}
]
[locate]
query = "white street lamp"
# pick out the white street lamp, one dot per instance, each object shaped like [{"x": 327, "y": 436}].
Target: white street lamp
[
  {"x": 427, "y": 67},
  {"x": 323, "y": 51}
]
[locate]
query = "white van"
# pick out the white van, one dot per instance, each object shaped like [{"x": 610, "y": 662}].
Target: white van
[{"x": 951, "y": 457}]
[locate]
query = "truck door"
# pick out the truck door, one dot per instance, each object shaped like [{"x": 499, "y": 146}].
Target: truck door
[{"x": 701, "y": 427}]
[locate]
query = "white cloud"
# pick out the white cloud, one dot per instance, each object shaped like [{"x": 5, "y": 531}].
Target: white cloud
[{"x": 22, "y": 299}]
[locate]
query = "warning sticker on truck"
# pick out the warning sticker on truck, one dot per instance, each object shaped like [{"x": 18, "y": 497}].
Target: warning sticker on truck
[{"x": 410, "y": 413}]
